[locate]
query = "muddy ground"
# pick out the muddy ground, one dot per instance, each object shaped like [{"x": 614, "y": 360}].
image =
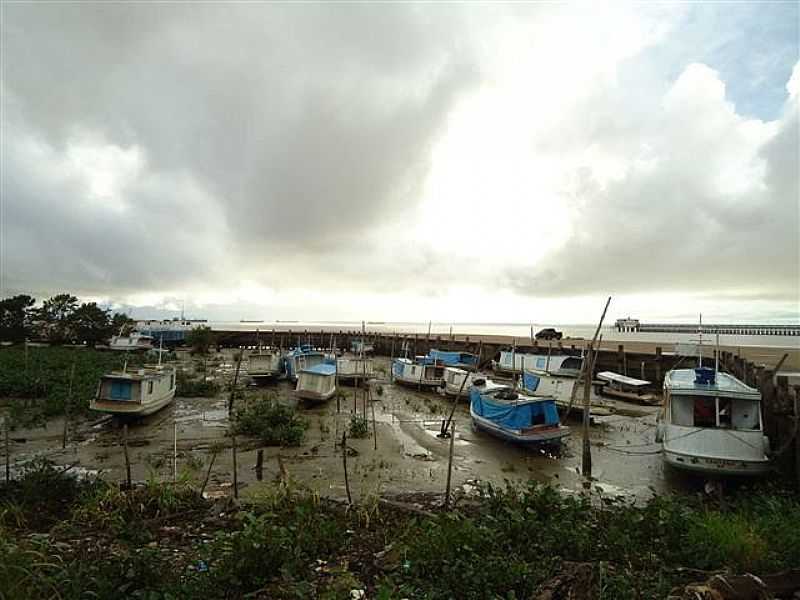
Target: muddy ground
[{"x": 409, "y": 455}]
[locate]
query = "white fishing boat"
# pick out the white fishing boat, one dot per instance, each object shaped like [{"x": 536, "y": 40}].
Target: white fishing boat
[
  {"x": 711, "y": 423},
  {"x": 418, "y": 372},
  {"x": 316, "y": 383},
  {"x": 138, "y": 392},
  {"x": 353, "y": 368},
  {"x": 561, "y": 389},
  {"x": 454, "y": 384},
  {"x": 131, "y": 343},
  {"x": 626, "y": 388},
  {"x": 265, "y": 364},
  {"x": 512, "y": 415},
  {"x": 301, "y": 358},
  {"x": 517, "y": 362}
]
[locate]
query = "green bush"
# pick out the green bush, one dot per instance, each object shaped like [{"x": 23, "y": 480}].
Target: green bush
[
  {"x": 359, "y": 427},
  {"x": 186, "y": 387},
  {"x": 273, "y": 423}
]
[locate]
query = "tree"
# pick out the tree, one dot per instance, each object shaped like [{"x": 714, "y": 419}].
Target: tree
[
  {"x": 55, "y": 316},
  {"x": 15, "y": 318},
  {"x": 122, "y": 324},
  {"x": 200, "y": 339},
  {"x": 89, "y": 323}
]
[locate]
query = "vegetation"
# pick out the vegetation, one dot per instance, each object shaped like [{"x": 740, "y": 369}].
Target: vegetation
[
  {"x": 187, "y": 387},
  {"x": 59, "y": 319},
  {"x": 359, "y": 427},
  {"x": 37, "y": 379},
  {"x": 164, "y": 541},
  {"x": 200, "y": 339},
  {"x": 273, "y": 423}
]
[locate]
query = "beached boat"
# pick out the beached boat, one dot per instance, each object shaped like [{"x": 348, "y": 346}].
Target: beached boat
[
  {"x": 138, "y": 392},
  {"x": 301, "y": 358},
  {"x": 353, "y": 368},
  {"x": 625, "y": 388},
  {"x": 316, "y": 383},
  {"x": 454, "y": 384},
  {"x": 420, "y": 372},
  {"x": 516, "y": 362},
  {"x": 453, "y": 359},
  {"x": 265, "y": 364},
  {"x": 561, "y": 390},
  {"x": 361, "y": 347},
  {"x": 711, "y": 423},
  {"x": 511, "y": 415},
  {"x": 131, "y": 343}
]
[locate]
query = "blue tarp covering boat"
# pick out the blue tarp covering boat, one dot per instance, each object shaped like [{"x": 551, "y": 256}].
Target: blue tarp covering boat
[
  {"x": 452, "y": 359},
  {"x": 321, "y": 369}
]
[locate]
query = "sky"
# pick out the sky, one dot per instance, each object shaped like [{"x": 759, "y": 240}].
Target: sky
[{"x": 404, "y": 161}]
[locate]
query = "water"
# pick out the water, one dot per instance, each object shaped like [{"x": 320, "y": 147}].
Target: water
[{"x": 521, "y": 331}]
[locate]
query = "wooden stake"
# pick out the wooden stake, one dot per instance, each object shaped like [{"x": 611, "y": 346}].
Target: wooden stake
[
  {"x": 586, "y": 463},
  {"x": 174, "y": 452},
  {"x": 8, "y": 450},
  {"x": 127, "y": 458},
  {"x": 67, "y": 403},
  {"x": 374, "y": 426},
  {"x": 208, "y": 472},
  {"x": 235, "y": 469},
  {"x": 260, "y": 464},
  {"x": 233, "y": 387},
  {"x": 450, "y": 465},
  {"x": 344, "y": 464}
]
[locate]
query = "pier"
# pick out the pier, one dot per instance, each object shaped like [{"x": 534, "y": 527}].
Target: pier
[{"x": 635, "y": 326}]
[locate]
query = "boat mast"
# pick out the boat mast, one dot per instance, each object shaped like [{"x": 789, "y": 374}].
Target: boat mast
[
  {"x": 160, "y": 348},
  {"x": 700, "y": 345}
]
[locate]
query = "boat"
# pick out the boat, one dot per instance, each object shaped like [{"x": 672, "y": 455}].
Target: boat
[
  {"x": 265, "y": 364},
  {"x": 138, "y": 393},
  {"x": 131, "y": 343},
  {"x": 454, "y": 384},
  {"x": 516, "y": 362},
  {"x": 711, "y": 423},
  {"x": 360, "y": 346},
  {"x": 453, "y": 359},
  {"x": 418, "y": 372},
  {"x": 316, "y": 383},
  {"x": 560, "y": 389},
  {"x": 625, "y": 388},
  {"x": 302, "y": 357},
  {"x": 353, "y": 368},
  {"x": 511, "y": 415}
]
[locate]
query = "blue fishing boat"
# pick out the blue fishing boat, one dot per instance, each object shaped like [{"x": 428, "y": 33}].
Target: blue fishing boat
[
  {"x": 452, "y": 359},
  {"x": 302, "y": 357},
  {"x": 511, "y": 415},
  {"x": 420, "y": 372},
  {"x": 317, "y": 383}
]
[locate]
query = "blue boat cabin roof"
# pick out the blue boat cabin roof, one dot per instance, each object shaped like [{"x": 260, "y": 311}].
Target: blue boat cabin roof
[
  {"x": 321, "y": 369},
  {"x": 682, "y": 381}
]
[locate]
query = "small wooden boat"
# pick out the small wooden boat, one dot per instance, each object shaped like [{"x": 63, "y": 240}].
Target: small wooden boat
[
  {"x": 301, "y": 358},
  {"x": 711, "y": 423},
  {"x": 561, "y": 390},
  {"x": 511, "y": 415},
  {"x": 353, "y": 368},
  {"x": 625, "y": 388},
  {"x": 131, "y": 343},
  {"x": 562, "y": 365},
  {"x": 265, "y": 364},
  {"x": 135, "y": 393},
  {"x": 317, "y": 383},
  {"x": 418, "y": 372},
  {"x": 454, "y": 384}
]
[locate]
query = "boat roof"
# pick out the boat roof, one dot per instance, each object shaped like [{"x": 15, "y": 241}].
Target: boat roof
[
  {"x": 455, "y": 370},
  {"x": 623, "y": 379},
  {"x": 682, "y": 381},
  {"x": 320, "y": 369},
  {"x": 140, "y": 374}
]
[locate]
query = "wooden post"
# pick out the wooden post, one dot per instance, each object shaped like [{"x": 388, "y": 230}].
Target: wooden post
[
  {"x": 67, "y": 403},
  {"x": 450, "y": 465},
  {"x": 235, "y": 469},
  {"x": 8, "y": 449},
  {"x": 127, "y": 458},
  {"x": 344, "y": 464},
  {"x": 233, "y": 387},
  {"x": 658, "y": 364},
  {"x": 586, "y": 463},
  {"x": 260, "y": 464},
  {"x": 174, "y": 452},
  {"x": 208, "y": 471},
  {"x": 374, "y": 425}
]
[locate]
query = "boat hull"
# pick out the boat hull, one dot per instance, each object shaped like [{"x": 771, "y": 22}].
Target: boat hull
[
  {"x": 547, "y": 437},
  {"x": 417, "y": 382},
  {"x": 134, "y": 409},
  {"x": 710, "y": 465},
  {"x": 311, "y": 396}
]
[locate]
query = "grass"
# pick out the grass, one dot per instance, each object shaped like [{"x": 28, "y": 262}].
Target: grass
[
  {"x": 187, "y": 387},
  {"x": 107, "y": 542},
  {"x": 271, "y": 422}
]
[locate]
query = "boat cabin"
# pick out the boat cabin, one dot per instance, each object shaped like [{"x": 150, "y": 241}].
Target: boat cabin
[
  {"x": 317, "y": 382},
  {"x": 139, "y": 392},
  {"x": 564, "y": 365}
]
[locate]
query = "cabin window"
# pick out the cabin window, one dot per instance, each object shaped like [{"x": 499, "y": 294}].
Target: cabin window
[
  {"x": 150, "y": 387},
  {"x": 715, "y": 412},
  {"x": 704, "y": 409},
  {"x": 120, "y": 390},
  {"x": 541, "y": 363}
]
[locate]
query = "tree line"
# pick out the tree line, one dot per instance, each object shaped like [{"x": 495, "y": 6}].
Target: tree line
[{"x": 60, "y": 319}]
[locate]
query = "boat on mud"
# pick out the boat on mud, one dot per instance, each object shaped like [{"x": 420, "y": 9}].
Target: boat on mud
[
  {"x": 420, "y": 372},
  {"x": 361, "y": 346},
  {"x": 511, "y": 415},
  {"x": 134, "y": 342},
  {"x": 625, "y": 388},
  {"x": 561, "y": 389},
  {"x": 453, "y": 359},
  {"x": 302, "y": 357},
  {"x": 454, "y": 384},
  {"x": 353, "y": 368},
  {"x": 563, "y": 365},
  {"x": 711, "y": 423},
  {"x": 137, "y": 393},
  {"x": 265, "y": 364},
  {"x": 316, "y": 383}
]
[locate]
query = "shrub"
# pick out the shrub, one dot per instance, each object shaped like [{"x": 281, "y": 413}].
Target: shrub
[
  {"x": 273, "y": 423},
  {"x": 359, "y": 427},
  {"x": 185, "y": 387}
]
